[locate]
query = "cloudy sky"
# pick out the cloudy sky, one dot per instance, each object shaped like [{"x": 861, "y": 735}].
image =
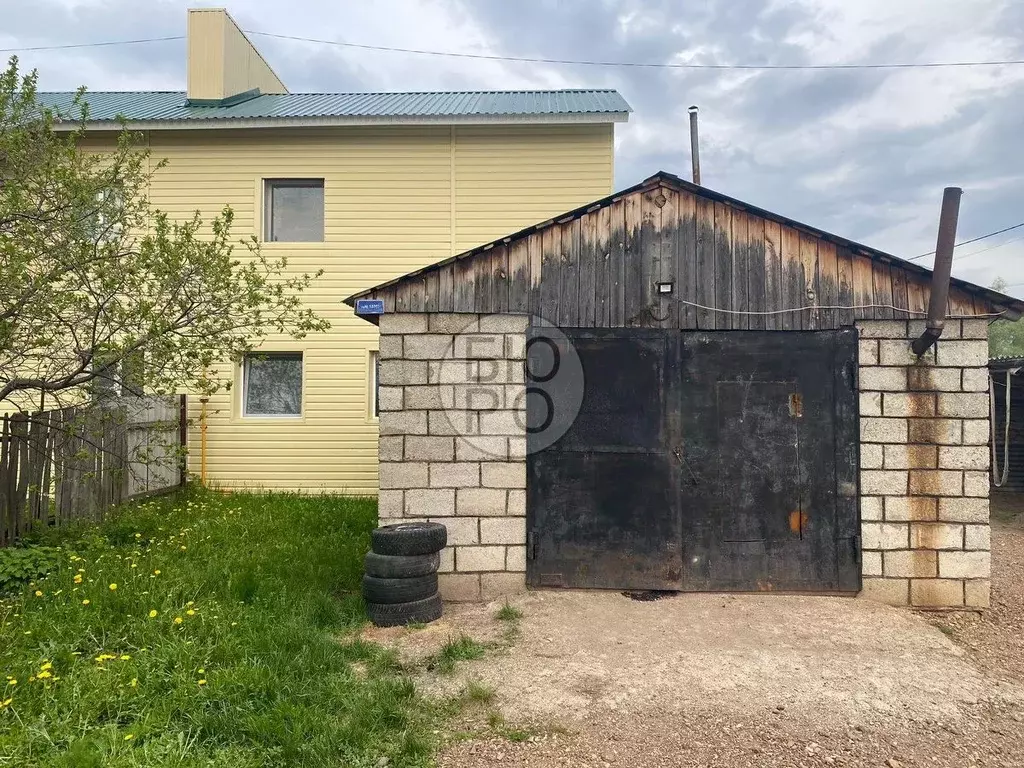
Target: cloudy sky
[{"x": 862, "y": 153}]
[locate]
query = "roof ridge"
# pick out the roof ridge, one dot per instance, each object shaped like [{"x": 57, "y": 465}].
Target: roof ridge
[{"x": 366, "y": 93}]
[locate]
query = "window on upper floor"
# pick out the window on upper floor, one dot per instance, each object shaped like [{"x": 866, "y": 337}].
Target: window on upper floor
[
  {"x": 272, "y": 384},
  {"x": 293, "y": 210}
]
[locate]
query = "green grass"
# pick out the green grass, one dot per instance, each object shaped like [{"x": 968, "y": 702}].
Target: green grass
[
  {"x": 509, "y": 613},
  {"x": 225, "y": 643},
  {"x": 461, "y": 648}
]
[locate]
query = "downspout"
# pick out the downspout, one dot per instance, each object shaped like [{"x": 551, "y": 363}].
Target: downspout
[{"x": 940, "y": 271}]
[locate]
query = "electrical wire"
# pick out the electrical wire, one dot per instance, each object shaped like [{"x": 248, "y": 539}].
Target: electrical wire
[
  {"x": 973, "y": 240},
  {"x": 990, "y": 248},
  {"x": 91, "y": 45},
  {"x": 825, "y": 307}
]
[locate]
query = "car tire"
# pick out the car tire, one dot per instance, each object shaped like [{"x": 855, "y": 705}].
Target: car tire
[
  {"x": 399, "y": 614},
  {"x": 391, "y": 591},
  {"x": 401, "y": 566},
  {"x": 409, "y": 539}
]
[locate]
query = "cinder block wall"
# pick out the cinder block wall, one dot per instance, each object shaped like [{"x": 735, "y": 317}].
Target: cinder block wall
[
  {"x": 453, "y": 442},
  {"x": 924, "y": 427}
]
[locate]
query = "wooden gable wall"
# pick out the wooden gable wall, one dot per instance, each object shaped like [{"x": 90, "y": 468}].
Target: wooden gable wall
[{"x": 601, "y": 270}]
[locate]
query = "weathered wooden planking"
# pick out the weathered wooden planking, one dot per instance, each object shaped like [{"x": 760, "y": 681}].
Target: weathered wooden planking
[
  {"x": 685, "y": 259},
  {"x": 601, "y": 232},
  {"x": 587, "y": 317},
  {"x": 535, "y": 256},
  {"x": 917, "y": 297},
  {"x": 569, "y": 284},
  {"x": 740, "y": 270},
  {"x": 794, "y": 287},
  {"x": 846, "y": 298},
  {"x": 828, "y": 284},
  {"x": 633, "y": 274},
  {"x": 667, "y": 307},
  {"x": 812, "y": 284},
  {"x": 650, "y": 256},
  {"x": 431, "y": 282},
  {"x": 617, "y": 265},
  {"x": 881, "y": 281},
  {"x": 551, "y": 271},
  {"x": 756, "y": 277},
  {"x": 519, "y": 276},
  {"x": 773, "y": 290},
  {"x": 723, "y": 265},
  {"x": 863, "y": 288},
  {"x": 484, "y": 275},
  {"x": 465, "y": 286},
  {"x": 899, "y": 293}
]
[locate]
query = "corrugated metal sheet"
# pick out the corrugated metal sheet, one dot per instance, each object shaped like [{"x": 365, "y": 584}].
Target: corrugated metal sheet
[{"x": 171, "y": 105}]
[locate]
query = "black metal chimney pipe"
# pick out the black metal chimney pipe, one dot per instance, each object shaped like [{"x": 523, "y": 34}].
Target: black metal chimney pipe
[
  {"x": 694, "y": 145},
  {"x": 940, "y": 270}
]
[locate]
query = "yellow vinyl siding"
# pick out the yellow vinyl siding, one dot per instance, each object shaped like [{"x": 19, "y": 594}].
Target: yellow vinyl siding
[
  {"x": 221, "y": 60},
  {"x": 389, "y": 192}
]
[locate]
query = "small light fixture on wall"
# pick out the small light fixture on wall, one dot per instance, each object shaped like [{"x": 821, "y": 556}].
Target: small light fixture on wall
[{"x": 665, "y": 288}]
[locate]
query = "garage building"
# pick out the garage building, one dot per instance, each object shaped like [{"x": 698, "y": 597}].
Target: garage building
[{"x": 669, "y": 389}]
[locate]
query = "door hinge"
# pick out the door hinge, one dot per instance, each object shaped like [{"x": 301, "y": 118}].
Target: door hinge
[
  {"x": 855, "y": 543},
  {"x": 531, "y": 545}
]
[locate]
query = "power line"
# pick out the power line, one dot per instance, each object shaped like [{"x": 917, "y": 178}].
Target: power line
[
  {"x": 973, "y": 240},
  {"x": 990, "y": 248},
  {"x": 91, "y": 45}
]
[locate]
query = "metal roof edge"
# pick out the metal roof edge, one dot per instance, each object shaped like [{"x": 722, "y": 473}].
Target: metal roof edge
[{"x": 214, "y": 123}]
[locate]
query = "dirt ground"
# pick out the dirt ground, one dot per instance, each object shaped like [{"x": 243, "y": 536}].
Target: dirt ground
[{"x": 598, "y": 679}]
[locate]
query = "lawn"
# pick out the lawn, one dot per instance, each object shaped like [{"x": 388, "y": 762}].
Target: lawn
[{"x": 205, "y": 630}]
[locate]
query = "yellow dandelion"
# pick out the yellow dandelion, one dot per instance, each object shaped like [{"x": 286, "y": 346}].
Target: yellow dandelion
[
  {"x": 125, "y": 657},
  {"x": 5, "y": 703},
  {"x": 153, "y": 614},
  {"x": 138, "y": 535},
  {"x": 183, "y": 547},
  {"x": 46, "y": 666},
  {"x": 85, "y": 602},
  {"x": 202, "y": 682},
  {"x": 12, "y": 681},
  {"x": 190, "y": 612},
  {"x": 156, "y": 572},
  {"x": 44, "y": 674},
  {"x": 113, "y": 587},
  {"x": 39, "y": 593},
  {"x": 202, "y": 671},
  {"x": 129, "y": 736},
  {"x": 78, "y": 578},
  {"x": 178, "y": 619}
]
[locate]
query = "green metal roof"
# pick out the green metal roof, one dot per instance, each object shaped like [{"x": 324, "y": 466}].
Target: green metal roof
[{"x": 164, "y": 106}]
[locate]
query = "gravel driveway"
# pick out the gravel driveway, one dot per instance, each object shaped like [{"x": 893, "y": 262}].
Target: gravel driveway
[{"x": 704, "y": 680}]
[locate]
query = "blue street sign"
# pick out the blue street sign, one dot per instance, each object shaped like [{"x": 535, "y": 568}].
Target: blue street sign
[{"x": 369, "y": 307}]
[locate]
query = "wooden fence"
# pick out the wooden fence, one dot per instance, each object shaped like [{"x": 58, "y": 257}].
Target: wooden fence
[{"x": 76, "y": 463}]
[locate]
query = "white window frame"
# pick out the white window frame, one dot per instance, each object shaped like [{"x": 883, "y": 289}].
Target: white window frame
[
  {"x": 269, "y": 184},
  {"x": 245, "y": 384},
  {"x": 373, "y": 385}
]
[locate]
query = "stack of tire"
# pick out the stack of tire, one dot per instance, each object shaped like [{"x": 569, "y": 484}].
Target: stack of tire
[{"x": 400, "y": 585}]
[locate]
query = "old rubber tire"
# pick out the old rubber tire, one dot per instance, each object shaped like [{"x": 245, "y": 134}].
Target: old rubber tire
[
  {"x": 391, "y": 591},
  {"x": 409, "y": 539},
  {"x": 399, "y": 614},
  {"x": 401, "y": 566}
]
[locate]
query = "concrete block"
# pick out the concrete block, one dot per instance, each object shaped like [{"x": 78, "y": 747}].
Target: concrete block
[
  {"x": 882, "y": 329},
  {"x": 963, "y": 457},
  {"x": 390, "y": 448},
  {"x": 937, "y": 593},
  {"x": 515, "y": 558},
  {"x": 976, "y": 431},
  {"x": 402, "y": 474},
  {"x": 936, "y": 536},
  {"x": 452, "y": 422},
  {"x": 515, "y": 346},
  {"x": 976, "y": 484},
  {"x": 910, "y": 456},
  {"x": 390, "y": 504},
  {"x": 974, "y": 379},
  {"x": 871, "y": 508},
  {"x": 867, "y": 352},
  {"x": 402, "y": 322},
  {"x": 453, "y": 371},
  {"x": 964, "y": 405},
  {"x": 888, "y": 591},
  {"x": 916, "y": 404},
  {"x": 510, "y": 474},
  {"x": 977, "y": 593},
  {"x": 977, "y": 537},
  {"x": 870, "y": 404},
  {"x": 423, "y": 448},
  {"x": 517, "y": 447},
  {"x": 461, "y": 530},
  {"x": 390, "y": 347},
  {"x": 885, "y": 535},
  {"x": 505, "y": 323},
  {"x": 483, "y": 558},
  {"x": 896, "y": 352},
  {"x": 873, "y": 379},
  {"x": 428, "y": 346},
  {"x": 919, "y": 564},
  {"x": 481, "y": 502},
  {"x": 934, "y": 431},
  {"x": 511, "y": 423},
  {"x": 515, "y": 397},
  {"x": 401, "y": 372},
  {"x": 517, "y": 503},
  {"x": 502, "y": 530},
  {"x": 876, "y": 482},
  {"x": 430, "y": 502},
  {"x": 497, "y": 585},
  {"x": 925, "y": 378},
  {"x": 965, "y": 565},
  {"x": 871, "y": 564},
  {"x": 447, "y": 563},
  {"x": 483, "y": 396},
  {"x": 910, "y": 508},
  {"x": 871, "y": 456},
  {"x": 961, "y": 354},
  {"x": 402, "y": 423},
  {"x": 481, "y": 448},
  {"x": 936, "y": 482},
  {"x": 974, "y": 328},
  {"x": 883, "y": 430},
  {"x": 963, "y": 510},
  {"x": 455, "y": 474},
  {"x": 390, "y": 398},
  {"x": 426, "y": 397},
  {"x": 478, "y": 346},
  {"x": 459, "y": 587},
  {"x": 451, "y": 323}
]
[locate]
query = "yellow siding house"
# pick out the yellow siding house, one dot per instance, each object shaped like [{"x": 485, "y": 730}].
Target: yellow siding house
[{"x": 366, "y": 186}]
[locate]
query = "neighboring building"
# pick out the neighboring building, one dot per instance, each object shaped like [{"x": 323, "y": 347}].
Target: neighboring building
[
  {"x": 675, "y": 390},
  {"x": 366, "y": 186}
]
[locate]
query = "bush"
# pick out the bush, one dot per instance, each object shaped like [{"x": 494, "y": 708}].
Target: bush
[{"x": 21, "y": 565}]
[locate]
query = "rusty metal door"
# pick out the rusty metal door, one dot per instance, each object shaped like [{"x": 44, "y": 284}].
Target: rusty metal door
[
  {"x": 769, "y": 437},
  {"x": 602, "y": 498}
]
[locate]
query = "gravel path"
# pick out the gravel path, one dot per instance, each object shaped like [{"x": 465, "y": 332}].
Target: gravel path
[{"x": 703, "y": 680}]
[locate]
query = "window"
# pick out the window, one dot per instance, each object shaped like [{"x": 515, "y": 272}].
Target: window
[
  {"x": 272, "y": 384},
  {"x": 373, "y": 387},
  {"x": 293, "y": 211}
]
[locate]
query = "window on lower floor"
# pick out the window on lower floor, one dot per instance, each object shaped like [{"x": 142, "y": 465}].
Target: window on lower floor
[{"x": 272, "y": 384}]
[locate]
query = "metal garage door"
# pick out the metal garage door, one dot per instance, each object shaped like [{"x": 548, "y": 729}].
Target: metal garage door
[{"x": 698, "y": 461}]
